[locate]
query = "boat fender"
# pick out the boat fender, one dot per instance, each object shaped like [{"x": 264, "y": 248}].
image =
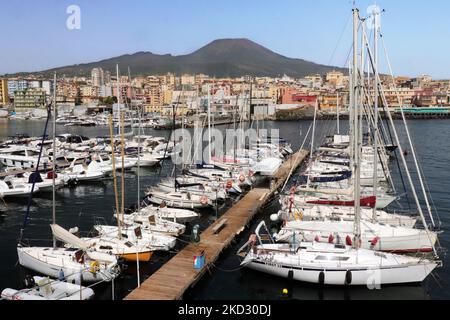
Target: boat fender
[
  {"x": 331, "y": 239},
  {"x": 317, "y": 239},
  {"x": 94, "y": 267},
  {"x": 349, "y": 241},
  {"x": 374, "y": 241},
  {"x": 291, "y": 199},
  {"x": 274, "y": 217},
  {"x": 348, "y": 278},
  {"x": 291, "y": 274},
  {"x": 322, "y": 277},
  {"x": 253, "y": 240},
  {"x": 298, "y": 216},
  {"x": 29, "y": 282},
  {"x": 61, "y": 275}
]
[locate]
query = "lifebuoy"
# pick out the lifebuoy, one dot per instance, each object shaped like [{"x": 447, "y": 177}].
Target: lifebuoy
[
  {"x": 241, "y": 178},
  {"x": 229, "y": 184},
  {"x": 293, "y": 190},
  {"x": 203, "y": 200}
]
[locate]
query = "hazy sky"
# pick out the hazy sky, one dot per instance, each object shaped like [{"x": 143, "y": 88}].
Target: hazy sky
[{"x": 35, "y": 36}]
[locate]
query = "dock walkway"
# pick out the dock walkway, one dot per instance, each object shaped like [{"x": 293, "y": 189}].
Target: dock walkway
[{"x": 172, "y": 280}]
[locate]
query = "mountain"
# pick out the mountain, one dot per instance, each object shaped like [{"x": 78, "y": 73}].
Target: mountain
[{"x": 220, "y": 58}]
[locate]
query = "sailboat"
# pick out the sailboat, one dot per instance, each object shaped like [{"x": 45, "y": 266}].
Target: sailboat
[
  {"x": 336, "y": 213},
  {"x": 83, "y": 264},
  {"x": 333, "y": 264}
]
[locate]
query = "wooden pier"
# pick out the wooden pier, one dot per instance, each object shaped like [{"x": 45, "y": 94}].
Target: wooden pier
[{"x": 176, "y": 276}]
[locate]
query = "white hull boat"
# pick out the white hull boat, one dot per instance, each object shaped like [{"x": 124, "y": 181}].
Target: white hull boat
[
  {"x": 16, "y": 191},
  {"x": 374, "y": 236},
  {"x": 182, "y": 200},
  {"x": 153, "y": 240},
  {"x": 345, "y": 214},
  {"x": 327, "y": 264},
  {"x": 47, "y": 289},
  {"x": 52, "y": 262},
  {"x": 171, "y": 214}
]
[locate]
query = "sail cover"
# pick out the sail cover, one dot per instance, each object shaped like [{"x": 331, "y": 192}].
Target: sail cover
[{"x": 65, "y": 236}]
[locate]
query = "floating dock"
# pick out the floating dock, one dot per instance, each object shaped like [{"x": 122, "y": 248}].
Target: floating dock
[{"x": 176, "y": 276}]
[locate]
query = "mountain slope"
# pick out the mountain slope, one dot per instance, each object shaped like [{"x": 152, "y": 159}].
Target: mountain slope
[{"x": 220, "y": 58}]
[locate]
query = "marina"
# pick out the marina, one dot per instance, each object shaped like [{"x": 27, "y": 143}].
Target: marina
[
  {"x": 226, "y": 262},
  {"x": 136, "y": 186}
]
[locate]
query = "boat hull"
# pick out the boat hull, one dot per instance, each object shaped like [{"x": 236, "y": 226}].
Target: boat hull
[
  {"x": 339, "y": 277},
  {"x": 133, "y": 257}
]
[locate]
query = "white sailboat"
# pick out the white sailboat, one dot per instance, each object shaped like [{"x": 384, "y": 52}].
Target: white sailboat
[
  {"x": 335, "y": 213},
  {"x": 69, "y": 264},
  {"x": 179, "y": 199},
  {"x": 164, "y": 212},
  {"x": 335, "y": 265}
]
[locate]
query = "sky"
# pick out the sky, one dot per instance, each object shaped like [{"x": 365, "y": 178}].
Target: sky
[{"x": 35, "y": 36}]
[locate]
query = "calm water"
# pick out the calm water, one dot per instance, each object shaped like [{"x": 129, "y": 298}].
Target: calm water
[{"x": 89, "y": 203}]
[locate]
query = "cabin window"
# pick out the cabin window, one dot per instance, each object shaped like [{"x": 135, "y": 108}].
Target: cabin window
[
  {"x": 129, "y": 244},
  {"x": 331, "y": 258}
]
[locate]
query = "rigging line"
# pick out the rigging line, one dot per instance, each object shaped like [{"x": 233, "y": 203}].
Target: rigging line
[
  {"x": 36, "y": 172},
  {"x": 228, "y": 271},
  {"x": 339, "y": 40},
  {"x": 405, "y": 164},
  {"x": 386, "y": 110},
  {"x": 420, "y": 175},
  {"x": 168, "y": 141}
]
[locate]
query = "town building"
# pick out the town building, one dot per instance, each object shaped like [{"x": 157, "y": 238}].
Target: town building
[
  {"x": 30, "y": 98},
  {"x": 4, "y": 97}
]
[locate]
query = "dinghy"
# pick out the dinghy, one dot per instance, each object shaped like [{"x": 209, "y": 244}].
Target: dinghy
[{"x": 47, "y": 289}]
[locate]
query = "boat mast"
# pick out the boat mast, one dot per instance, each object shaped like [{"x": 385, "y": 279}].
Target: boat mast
[
  {"x": 209, "y": 124},
  {"x": 113, "y": 162},
  {"x": 54, "y": 159},
  {"x": 337, "y": 113},
  {"x": 118, "y": 95},
  {"x": 375, "y": 125},
  {"x": 357, "y": 147},
  {"x": 313, "y": 134},
  {"x": 122, "y": 122},
  {"x": 139, "y": 145},
  {"x": 174, "y": 145}
]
